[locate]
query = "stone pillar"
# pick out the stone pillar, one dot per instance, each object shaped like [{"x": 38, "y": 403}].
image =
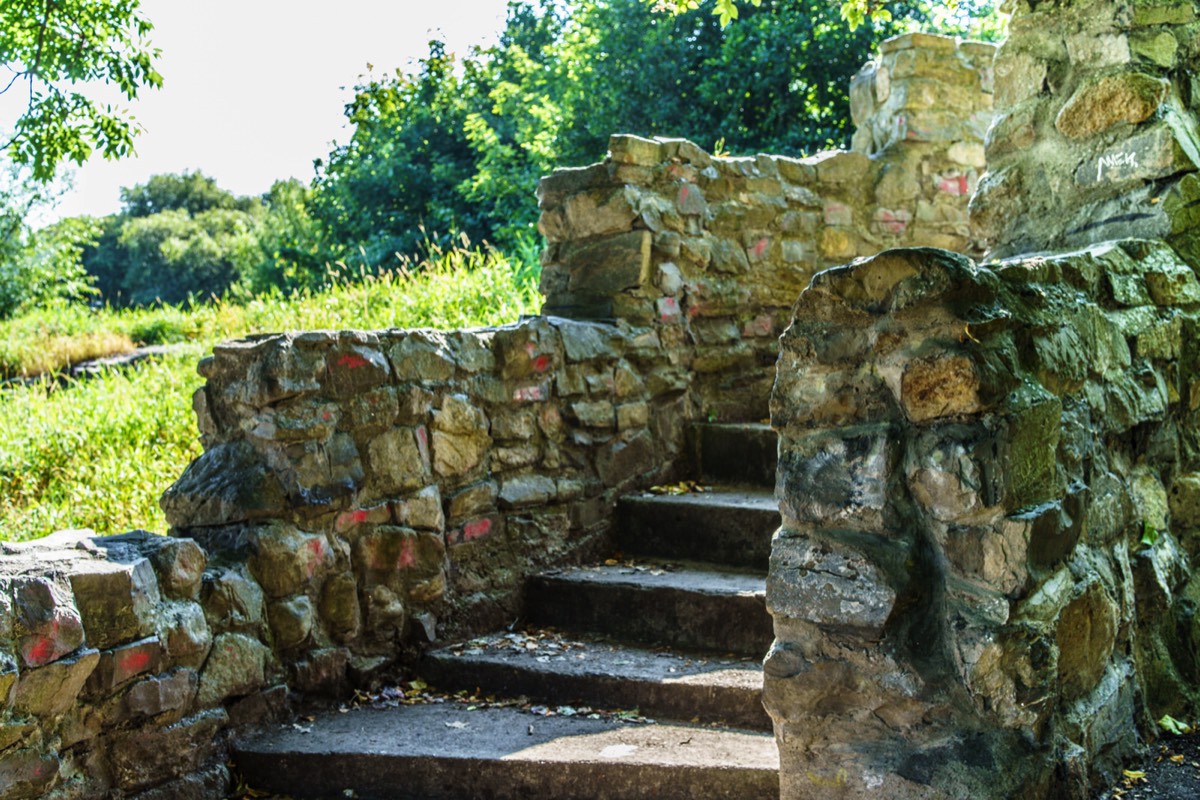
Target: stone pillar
[
  {"x": 987, "y": 477},
  {"x": 1096, "y": 135}
]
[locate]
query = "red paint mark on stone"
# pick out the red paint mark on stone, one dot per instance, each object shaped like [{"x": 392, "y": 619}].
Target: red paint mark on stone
[
  {"x": 476, "y": 529},
  {"x": 760, "y": 247},
  {"x": 694, "y": 310},
  {"x": 683, "y": 192},
  {"x": 41, "y": 651},
  {"x": 326, "y": 416},
  {"x": 408, "y": 554},
  {"x": 956, "y": 185},
  {"x": 541, "y": 363},
  {"x": 422, "y": 436},
  {"x": 530, "y": 347},
  {"x": 316, "y": 548},
  {"x": 761, "y": 325},
  {"x": 134, "y": 662},
  {"x": 668, "y": 309},
  {"x": 352, "y": 361}
]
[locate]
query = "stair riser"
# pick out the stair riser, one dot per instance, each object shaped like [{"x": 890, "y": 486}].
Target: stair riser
[
  {"x": 690, "y": 620},
  {"x": 735, "y": 706},
  {"x": 375, "y": 777},
  {"x": 734, "y": 453},
  {"x": 734, "y": 536}
]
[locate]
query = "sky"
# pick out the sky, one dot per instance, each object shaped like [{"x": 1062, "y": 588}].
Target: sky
[{"x": 253, "y": 90}]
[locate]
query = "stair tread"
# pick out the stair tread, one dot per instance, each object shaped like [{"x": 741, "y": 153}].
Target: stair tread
[
  {"x": 753, "y": 498},
  {"x": 445, "y": 750},
  {"x": 592, "y": 657},
  {"x": 686, "y": 576},
  {"x": 450, "y": 730}
]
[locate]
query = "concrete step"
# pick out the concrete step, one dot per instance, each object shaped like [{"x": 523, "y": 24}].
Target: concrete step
[
  {"x": 689, "y": 605},
  {"x": 555, "y": 669},
  {"x": 724, "y": 526},
  {"x": 734, "y": 452},
  {"x": 444, "y": 752}
]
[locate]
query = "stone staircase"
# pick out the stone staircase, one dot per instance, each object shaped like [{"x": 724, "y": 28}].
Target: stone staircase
[{"x": 676, "y": 627}]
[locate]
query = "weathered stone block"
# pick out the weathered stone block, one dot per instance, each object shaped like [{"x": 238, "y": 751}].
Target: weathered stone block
[
  {"x": 523, "y": 491},
  {"x": 115, "y": 600},
  {"x": 48, "y": 625},
  {"x": 144, "y": 758},
  {"x": 1185, "y": 501},
  {"x": 339, "y": 607},
  {"x": 29, "y": 773},
  {"x": 423, "y": 356},
  {"x": 233, "y": 601},
  {"x": 122, "y": 664},
  {"x": 598, "y": 211},
  {"x": 422, "y": 510},
  {"x": 324, "y": 471},
  {"x": 397, "y": 462},
  {"x": 827, "y": 585},
  {"x": 51, "y": 690},
  {"x": 236, "y": 666},
  {"x": 838, "y": 478},
  {"x": 942, "y": 386},
  {"x": 291, "y": 621},
  {"x": 388, "y": 553},
  {"x": 285, "y": 560},
  {"x": 172, "y": 691},
  {"x": 1086, "y": 633},
  {"x": 623, "y": 460},
  {"x": 228, "y": 483},
  {"x": 179, "y": 565},
  {"x": 606, "y": 266},
  {"x": 355, "y": 369},
  {"x": 1130, "y": 97}
]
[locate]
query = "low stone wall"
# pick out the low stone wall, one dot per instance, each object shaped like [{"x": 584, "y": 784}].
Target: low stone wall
[
  {"x": 359, "y": 494},
  {"x": 712, "y": 251},
  {"x": 989, "y": 487},
  {"x": 1097, "y": 135}
]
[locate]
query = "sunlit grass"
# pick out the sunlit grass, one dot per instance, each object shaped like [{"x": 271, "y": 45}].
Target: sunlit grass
[{"x": 98, "y": 453}]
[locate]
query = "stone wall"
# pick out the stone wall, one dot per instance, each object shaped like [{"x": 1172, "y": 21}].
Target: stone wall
[
  {"x": 1096, "y": 136},
  {"x": 359, "y": 494},
  {"x": 712, "y": 251},
  {"x": 989, "y": 487}
]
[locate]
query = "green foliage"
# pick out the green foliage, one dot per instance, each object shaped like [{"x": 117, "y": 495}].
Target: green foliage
[
  {"x": 51, "y": 51},
  {"x": 99, "y": 452},
  {"x": 193, "y": 192}
]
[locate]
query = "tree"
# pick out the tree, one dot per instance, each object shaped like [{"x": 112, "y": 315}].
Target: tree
[{"x": 50, "y": 49}]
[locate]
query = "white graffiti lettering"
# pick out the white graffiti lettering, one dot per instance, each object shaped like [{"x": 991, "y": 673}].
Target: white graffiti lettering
[{"x": 1111, "y": 160}]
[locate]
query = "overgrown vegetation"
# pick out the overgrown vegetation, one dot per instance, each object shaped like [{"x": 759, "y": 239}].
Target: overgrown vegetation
[{"x": 98, "y": 452}]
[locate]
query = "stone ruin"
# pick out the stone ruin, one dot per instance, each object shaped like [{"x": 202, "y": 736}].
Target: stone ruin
[{"x": 988, "y": 469}]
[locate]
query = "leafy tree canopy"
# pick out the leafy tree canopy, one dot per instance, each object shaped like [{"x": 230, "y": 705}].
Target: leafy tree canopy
[{"x": 49, "y": 51}]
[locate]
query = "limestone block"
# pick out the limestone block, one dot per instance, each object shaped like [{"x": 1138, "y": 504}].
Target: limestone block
[
  {"x": 941, "y": 386},
  {"x": 51, "y": 690},
  {"x": 1019, "y": 76},
  {"x": 840, "y": 167},
  {"x": 689, "y": 199},
  {"x": 422, "y": 510},
  {"x": 183, "y": 632},
  {"x": 473, "y": 500},
  {"x": 285, "y": 560},
  {"x": 48, "y": 624},
  {"x": 234, "y": 601},
  {"x": 1094, "y": 51},
  {"x": 116, "y": 600},
  {"x": 229, "y": 483},
  {"x": 322, "y": 672},
  {"x": 120, "y": 665},
  {"x": 837, "y": 478},
  {"x": 397, "y": 463},
  {"x": 291, "y": 621},
  {"x": 628, "y": 149},
  {"x": 387, "y": 553},
  {"x": 1130, "y": 97},
  {"x": 29, "y": 773},
  {"x": 339, "y": 608},
  {"x": 236, "y": 666},
  {"x": 179, "y": 565},
  {"x": 160, "y": 694},
  {"x": 594, "y": 414},
  {"x": 1185, "y": 501},
  {"x": 385, "y": 613},
  {"x": 1162, "y": 12},
  {"x": 1086, "y": 633},
  {"x": 603, "y": 267},
  {"x": 625, "y": 459},
  {"x": 729, "y": 257},
  {"x": 144, "y": 758},
  {"x": 355, "y": 369},
  {"x": 326, "y": 470},
  {"x": 1159, "y": 49},
  {"x": 632, "y": 416},
  {"x": 827, "y": 585},
  {"x": 523, "y": 491},
  {"x": 564, "y": 181},
  {"x": 259, "y": 373},
  {"x": 598, "y": 211},
  {"x": 422, "y": 357},
  {"x": 1145, "y": 157},
  {"x": 375, "y": 515},
  {"x": 296, "y": 420}
]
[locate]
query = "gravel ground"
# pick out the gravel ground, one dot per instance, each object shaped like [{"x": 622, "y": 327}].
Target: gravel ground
[{"x": 1171, "y": 772}]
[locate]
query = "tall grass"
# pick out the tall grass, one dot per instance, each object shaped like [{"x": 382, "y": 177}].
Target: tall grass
[{"x": 97, "y": 453}]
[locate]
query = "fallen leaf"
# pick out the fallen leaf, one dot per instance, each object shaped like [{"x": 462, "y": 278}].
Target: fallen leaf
[{"x": 457, "y": 725}]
